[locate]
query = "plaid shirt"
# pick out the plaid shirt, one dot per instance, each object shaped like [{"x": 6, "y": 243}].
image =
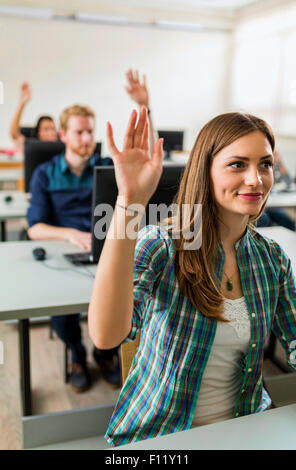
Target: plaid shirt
[{"x": 161, "y": 391}]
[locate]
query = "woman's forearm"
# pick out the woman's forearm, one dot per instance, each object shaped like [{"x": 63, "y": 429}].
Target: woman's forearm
[
  {"x": 15, "y": 123},
  {"x": 111, "y": 306}
]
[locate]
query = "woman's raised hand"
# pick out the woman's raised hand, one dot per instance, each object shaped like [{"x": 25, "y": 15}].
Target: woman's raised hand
[
  {"x": 25, "y": 92},
  {"x": 137, "y": 175}
]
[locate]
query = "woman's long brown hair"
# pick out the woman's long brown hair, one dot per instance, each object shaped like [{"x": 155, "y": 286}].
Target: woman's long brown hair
[{"x": 195, "y": 269}]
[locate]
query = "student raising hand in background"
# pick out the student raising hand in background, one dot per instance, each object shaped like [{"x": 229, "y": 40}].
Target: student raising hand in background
[
  {"x": 25, "y": 92},
  {"x": 138, "y": 92}
]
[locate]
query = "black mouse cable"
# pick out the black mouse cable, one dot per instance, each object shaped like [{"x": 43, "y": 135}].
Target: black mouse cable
[
  {"x": 88, "y": 273},
  {"x": 81, "y": 265}
]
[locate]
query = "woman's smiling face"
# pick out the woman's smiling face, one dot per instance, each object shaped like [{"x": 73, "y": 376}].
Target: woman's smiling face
[{"x": 242, "y": 175}]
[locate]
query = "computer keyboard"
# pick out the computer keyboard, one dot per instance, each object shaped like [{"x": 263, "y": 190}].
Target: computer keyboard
[{"x": 84, "y": 257}]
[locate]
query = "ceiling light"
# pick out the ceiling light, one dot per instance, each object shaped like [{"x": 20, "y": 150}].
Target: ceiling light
[
  {"x": 178, "y": 25},
  {"x": 42, "y": 13},
  {"x": 96, "y": 18}
]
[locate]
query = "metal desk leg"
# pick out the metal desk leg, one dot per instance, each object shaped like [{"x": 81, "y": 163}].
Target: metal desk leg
[
  {"x": 24, "y": 353},
  {"x": 3, "y": 231}
]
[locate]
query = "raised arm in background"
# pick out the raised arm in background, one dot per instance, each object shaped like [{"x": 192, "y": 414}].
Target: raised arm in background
[
  {"x": 137, "y": 176},
  {"x": 25, "y": 96},
  {"x": 138, "y": 92}
]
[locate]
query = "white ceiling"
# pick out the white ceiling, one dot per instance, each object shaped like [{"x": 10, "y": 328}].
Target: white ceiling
[
  {"x": 185, "y": 5},
  {"x": 192, "y": 4},
  {"x": 208, "y": 13}
]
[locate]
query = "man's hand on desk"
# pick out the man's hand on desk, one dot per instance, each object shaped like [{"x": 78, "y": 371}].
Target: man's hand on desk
[
  {"x": 41, "y": 231},
  {"x": 80, "y": 239}
]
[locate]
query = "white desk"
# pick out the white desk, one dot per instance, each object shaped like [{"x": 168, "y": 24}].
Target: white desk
[
  {"x": 269, "y": 430},
  {"x": 282, "y": 199},
  {"x": 15, "y": 159},
  {"x": 13, "y": 205},
  {"x": 29, "y": 289},
  {"x": 11, "y": 175},
  {"x": 285, "y": 238}
]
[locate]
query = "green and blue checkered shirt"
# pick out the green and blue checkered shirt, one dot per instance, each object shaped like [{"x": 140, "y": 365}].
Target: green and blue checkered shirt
[{"x": 161, "y": 391}]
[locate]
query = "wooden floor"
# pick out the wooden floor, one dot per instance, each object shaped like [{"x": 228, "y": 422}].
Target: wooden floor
[{"x": 49, "y": 392}]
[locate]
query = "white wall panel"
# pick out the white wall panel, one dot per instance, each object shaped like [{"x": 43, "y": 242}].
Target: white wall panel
[{"x": 187, "y": 72}]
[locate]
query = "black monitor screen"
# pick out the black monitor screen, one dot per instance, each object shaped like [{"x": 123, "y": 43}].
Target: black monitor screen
[
  {"x": 172, "y": 140},
  {"x": 105, "y": 192}
]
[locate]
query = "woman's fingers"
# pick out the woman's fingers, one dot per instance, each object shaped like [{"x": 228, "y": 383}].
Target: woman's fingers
[
  {"x": 129, "y": 75},
  {"x": 140, "y": 129},
  {"x": 158, "y": 152},
  {"x": 110, "y": 141},
  {"x": 129, "y": 135},
  {"x": 136, "y": 134},
  {"x": 145, "y": 139}
]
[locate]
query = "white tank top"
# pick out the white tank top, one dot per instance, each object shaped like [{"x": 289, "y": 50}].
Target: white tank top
[{"x": 222, "y": 378}]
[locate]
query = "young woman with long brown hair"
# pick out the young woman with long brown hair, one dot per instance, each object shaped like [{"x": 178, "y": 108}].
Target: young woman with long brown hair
[{"x": 204, "y": 314}]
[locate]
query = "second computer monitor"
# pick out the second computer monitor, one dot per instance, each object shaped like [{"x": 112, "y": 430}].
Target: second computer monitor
[
  {"x": 105, "y": 195},
  {"x": 172, "y": 141}
]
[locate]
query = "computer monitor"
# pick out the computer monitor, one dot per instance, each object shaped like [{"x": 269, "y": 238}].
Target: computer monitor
[
  {"x": 38, "y": 151},
  {"x": 173, "y": 141},
  {"x": 105, "y": 192}
]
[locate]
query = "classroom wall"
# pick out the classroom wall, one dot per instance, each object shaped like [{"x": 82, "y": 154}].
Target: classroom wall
[
  {"x": 67, "y": 62},
  {"x": 263, "y": 79}
]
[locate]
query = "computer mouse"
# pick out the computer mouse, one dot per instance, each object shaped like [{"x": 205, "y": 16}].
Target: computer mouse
[
  {"x": 8, "y": 199},
  {"x": 39, "y": 254}
]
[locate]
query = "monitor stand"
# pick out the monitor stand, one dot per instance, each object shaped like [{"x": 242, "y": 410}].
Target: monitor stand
[{"x": 167, "y": 155}]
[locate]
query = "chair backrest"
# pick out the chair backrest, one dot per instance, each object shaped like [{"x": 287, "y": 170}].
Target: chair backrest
[
  {"x": 128, "y": 351},
  {"x": 37, "y": 152},
  {"x": 28, "y": 131}
]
